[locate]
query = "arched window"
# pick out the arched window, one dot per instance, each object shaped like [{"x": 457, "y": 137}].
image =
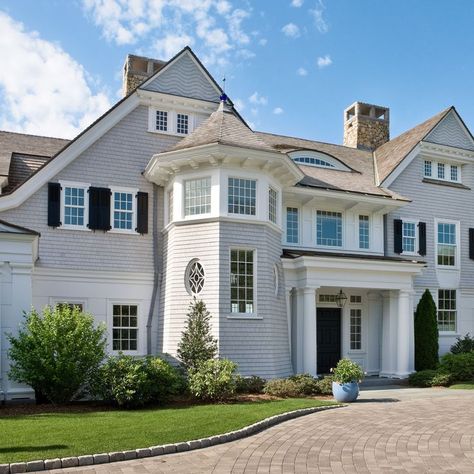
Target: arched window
[
  {"x": 194, "y": 277},
  {"x": 310, "y": 160},
  {"x": 318, "y": 159}
]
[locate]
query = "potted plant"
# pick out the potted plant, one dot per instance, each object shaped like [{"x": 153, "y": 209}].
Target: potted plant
[{"x": 347, "y": 375}]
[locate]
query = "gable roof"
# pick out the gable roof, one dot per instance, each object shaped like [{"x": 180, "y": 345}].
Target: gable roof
[
  {"x": 223, "y": 127},
  {"x": 8, "y": 228},
  {"x": 389, "y": 155}
]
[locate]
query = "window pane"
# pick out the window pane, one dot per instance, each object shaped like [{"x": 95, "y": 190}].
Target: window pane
[
  {"x": 454, "y": 173},
  {"x": 292, "y": 226},
  {"x": 242, "y": 196},
  {"x": 161, "y": 120},
  {"x": 364, "y": 232},
  {"x": 409, "y": 237},
  {"x": 241, "y": 281},
  {"x": 441, "y": 170},
  {"x": 446, "y": 244},
  {"x": 182, "y": 121},
  {"x": 123, "y": 211},
  {"x": 124, "y": 330},
  {"x": 74, "y": 199},
  {"x": 356, "y": 329},
  {"x": 447, "y": 312},
  {"x": 272, "y": 205},
  {"x": 197, "y": 196},
  {"x": 428, "y": 169},
  {"x": 329, "y": 228}
]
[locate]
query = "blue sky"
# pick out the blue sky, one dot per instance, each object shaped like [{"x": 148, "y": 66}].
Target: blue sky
[{"x": 292, "y": 66}]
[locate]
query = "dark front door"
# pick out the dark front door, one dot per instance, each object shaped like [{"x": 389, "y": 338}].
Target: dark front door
[{"x": 328, "y": 332}]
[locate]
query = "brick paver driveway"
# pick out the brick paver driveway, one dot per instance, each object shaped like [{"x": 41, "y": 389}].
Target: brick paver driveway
[{"x": 406, "y": 430}]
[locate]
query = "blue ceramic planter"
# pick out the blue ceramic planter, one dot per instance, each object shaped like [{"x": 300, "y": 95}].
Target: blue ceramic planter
[{"x": 345, "y": 392}]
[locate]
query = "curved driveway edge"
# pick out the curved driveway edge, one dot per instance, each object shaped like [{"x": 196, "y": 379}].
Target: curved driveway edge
[{"x": 92, "y": 459}]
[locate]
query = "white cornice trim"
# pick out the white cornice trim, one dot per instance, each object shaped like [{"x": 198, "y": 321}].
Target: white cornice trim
[
  {"x": 446, "y": 152},
  {"x": 70, "y": 153},
  {"x": 157, "y": 99}
]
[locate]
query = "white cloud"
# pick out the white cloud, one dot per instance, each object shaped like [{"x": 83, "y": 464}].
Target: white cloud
[
  {"x": 296, "y": 3},
  {"x": 239, "y": 104},
  {"x": 301, "y": 71},
  {"x": 324, "y": 61},
  {"x": 43, "y": 90},
  {"x": 214, "y": 27},
  {"x": 291, "y": 30},
  {"x": 254, "y": 111},
  {"x": 318, "y": 15},
  {"x": 262, "y": 41},
  {"x": 257, "y": 99},
  {"x": 278, "y": 111}
]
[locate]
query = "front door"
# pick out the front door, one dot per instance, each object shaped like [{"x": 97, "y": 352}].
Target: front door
[{"x": 328, "y": 332}]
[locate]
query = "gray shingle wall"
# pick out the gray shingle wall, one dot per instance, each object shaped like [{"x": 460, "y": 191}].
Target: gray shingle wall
[
  {"x": 450, "y": 132},
  {"x": 116, "y": 159},
  {"x": 184, "y": 79}
]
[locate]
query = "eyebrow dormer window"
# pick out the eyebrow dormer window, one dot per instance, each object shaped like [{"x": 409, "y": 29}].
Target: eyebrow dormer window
[
  {"x": 318, "y": 160},
  {"x": 308, "y": 160}
]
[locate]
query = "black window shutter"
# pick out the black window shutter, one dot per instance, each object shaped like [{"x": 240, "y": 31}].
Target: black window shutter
[
  {"x": 99, "y": 208},
  {"x": 142, "y": 213},
  {"x": 54, "y": 204},
  {"x": 471, "y": 244},
  {"x": 422, "y": 238},
  {"x": 397, "y": 236}
]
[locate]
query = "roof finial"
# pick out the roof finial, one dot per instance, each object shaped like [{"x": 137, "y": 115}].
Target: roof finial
[{"x": 223, "y": 97}]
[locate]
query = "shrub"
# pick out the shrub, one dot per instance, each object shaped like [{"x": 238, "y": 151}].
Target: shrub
[
  {"x": 213, "y": 379},
  {"x": 131, "y": 382},
  {"x": 57, "y": 353},
  {"x": 423, "y": 378},
  {"x": 282, "y": 388},
  {"x": 426, "y": 333},
  {"x": 441, "y": 380},
  {"x": 324, "y": 385},
  {"x": 197, "y": 343},
  {"x": 460, "y": 366},
  {"x": 347, "y": 371},
  {"x": 463, "y": 345},
  {"x": 306, "y": 384},
  {"x": 252, "y": 384}
]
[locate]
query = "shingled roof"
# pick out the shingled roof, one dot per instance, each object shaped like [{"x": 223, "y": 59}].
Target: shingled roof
[
  {"x": 224, "y": 127},
  {"x": 391, "y": 154}
]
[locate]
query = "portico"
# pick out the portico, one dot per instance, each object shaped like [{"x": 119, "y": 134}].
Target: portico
[{"x": 375, "y": 323}]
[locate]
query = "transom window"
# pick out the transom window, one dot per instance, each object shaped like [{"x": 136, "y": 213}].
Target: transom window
[
  {"x": 356, "y": 329},
  {"x": 123, "y": 209},
  {"x": 447, "y": 311},
  {"x": 292, "y": 225},
  {"x": 74, "y": 206},
  {"x": 356, "y": 299},
  {"x": 329, "y": 228},
  {"x": 323, "y": 298},
  {"x": 162, "y": 120},
  {"x": 125, "y": 327},
  {"x": 194, "y": 277},
  {"x": 242, "y": 281},
  {"x": 182, "y": 123},
  {"x": 409, "y": 237},
  {"x": 364, "y": 232},
  {"x": 242, "y": 196},
  {"x": 272, "y": 204},
  {"x": 447, "y": 244},
  {"x": 197, "y": 196},
  {"x": 441, "y": 171}
]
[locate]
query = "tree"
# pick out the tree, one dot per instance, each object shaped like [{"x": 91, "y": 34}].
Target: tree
[
  {"x": 197, "y": 343},
  {"x": 57, "y": 353},
  {"x": 426, "y": 333}
]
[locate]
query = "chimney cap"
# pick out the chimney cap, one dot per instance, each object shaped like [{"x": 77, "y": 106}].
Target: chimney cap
[{"x": 366, "y": 110}]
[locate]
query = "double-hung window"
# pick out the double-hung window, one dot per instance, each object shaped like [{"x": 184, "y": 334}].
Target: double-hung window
[
  {"x": 197, "y": 196},
  {"x": 329, "y": 228},
  {"x": 409, "y": 237},
  {"x": 242, "y": 281},
  {"x": 364, "y": 240},
  {"x": 242, "y": 196},
  {"x": 74, "y": 208},
  {"x": 442, "y": 171},
  {"x": 123, "y": 210},
  {"x": 447, "y": 310},
  {"x": 272, "y": 204},
  {"x": 446, "y": 244},
  {"x": 292, "y": 225},
  {"x": 125, "y": 327}
]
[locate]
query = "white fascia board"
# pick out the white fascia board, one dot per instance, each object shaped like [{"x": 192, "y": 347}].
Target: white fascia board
[
  {"x": 70, "y": 153},
  {"x": 444, "y": 152},
  {"x": 90, "y": 276},
  {"x": 401, "y": 167}
]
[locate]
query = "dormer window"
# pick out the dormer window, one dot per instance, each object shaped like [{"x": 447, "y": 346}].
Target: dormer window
[
  {"x": 169, "y": 121},
  {"x": 441, "y": 171},
  {"x": 317, "y": 159}
]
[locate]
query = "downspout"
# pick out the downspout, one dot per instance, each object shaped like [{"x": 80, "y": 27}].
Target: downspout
[{"x": 156, "y": 273}]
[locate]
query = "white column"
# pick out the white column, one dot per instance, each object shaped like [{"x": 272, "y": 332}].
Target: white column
[
  {"x": 389, "y": 331},
  {"x": 309, "y": 336},
  {"x": 405, "y": 329},
  {"x": 374, "y": 331},
  {"x": 288, "y": 292}
]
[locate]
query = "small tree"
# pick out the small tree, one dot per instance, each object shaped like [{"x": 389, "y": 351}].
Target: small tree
[
  {"x": 57, "y": 353},
  {"x": 426, "y": 333},
  {"x": 197, "y": 343}
]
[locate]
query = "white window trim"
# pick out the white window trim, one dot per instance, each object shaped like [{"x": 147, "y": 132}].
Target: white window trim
[
  {"x": 458, "y": 246},
  {"x": 85, "y": 187},
  {"x": 448, "y": 333},
  {"x": 299, "y": 224},
  {"x": 235, "y": 214},
  {"x": 172, "y": 121},
  {"x": 195, "y": 216},
  {"x": 315, "y": 227},
  {"x": 253, "y": 315},
  {"x": 417, "y": 236},
  {"x": 133, "y": 192},
  {"x": 141, "y": 328},
  {"x": 447, "y": 171}
]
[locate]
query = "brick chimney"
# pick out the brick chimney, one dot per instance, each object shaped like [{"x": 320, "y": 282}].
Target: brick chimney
[
  {"x": 366, "y": 126},
  {"x": 137, "y": 69}
]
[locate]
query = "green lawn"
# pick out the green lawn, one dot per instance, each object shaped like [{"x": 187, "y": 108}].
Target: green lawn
[
  {"x": 463, "y": 385},
  {"x": 50, "y": 435}
]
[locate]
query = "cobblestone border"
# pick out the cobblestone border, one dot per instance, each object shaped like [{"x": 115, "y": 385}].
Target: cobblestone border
[{"x": 90, "y": 459}]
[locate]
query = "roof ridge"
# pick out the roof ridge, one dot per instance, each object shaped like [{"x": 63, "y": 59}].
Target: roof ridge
[{"x": 35, "y": 135}]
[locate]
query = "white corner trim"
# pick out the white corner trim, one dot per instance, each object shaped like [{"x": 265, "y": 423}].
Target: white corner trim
[{"x": 70, "y": 153}]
